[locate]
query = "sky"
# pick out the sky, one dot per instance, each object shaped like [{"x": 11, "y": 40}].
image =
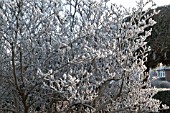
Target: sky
[{"x": 132, "y": 3}]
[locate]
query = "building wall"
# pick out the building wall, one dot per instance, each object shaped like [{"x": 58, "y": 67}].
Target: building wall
[{"x": 167, "y": 73}]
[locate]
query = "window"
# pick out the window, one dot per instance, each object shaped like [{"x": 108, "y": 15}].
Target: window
[{"x": 161, "y": 73}]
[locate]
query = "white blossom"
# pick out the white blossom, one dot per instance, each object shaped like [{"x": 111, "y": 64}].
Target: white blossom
[{"x": 81, "y": 55}]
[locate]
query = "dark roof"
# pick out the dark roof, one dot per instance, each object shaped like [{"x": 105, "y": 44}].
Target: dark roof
[{"x": 160, "y": 83}]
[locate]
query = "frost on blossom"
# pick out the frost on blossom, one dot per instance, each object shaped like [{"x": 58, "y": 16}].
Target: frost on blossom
[{"x": 77, "y": 56}]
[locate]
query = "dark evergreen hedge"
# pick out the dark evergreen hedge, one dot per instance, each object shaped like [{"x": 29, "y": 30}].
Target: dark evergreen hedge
[{"x": 164, "y": 96}]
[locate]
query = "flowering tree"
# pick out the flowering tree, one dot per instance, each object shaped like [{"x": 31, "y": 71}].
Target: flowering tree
[{"x": 74, "y": 56}]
